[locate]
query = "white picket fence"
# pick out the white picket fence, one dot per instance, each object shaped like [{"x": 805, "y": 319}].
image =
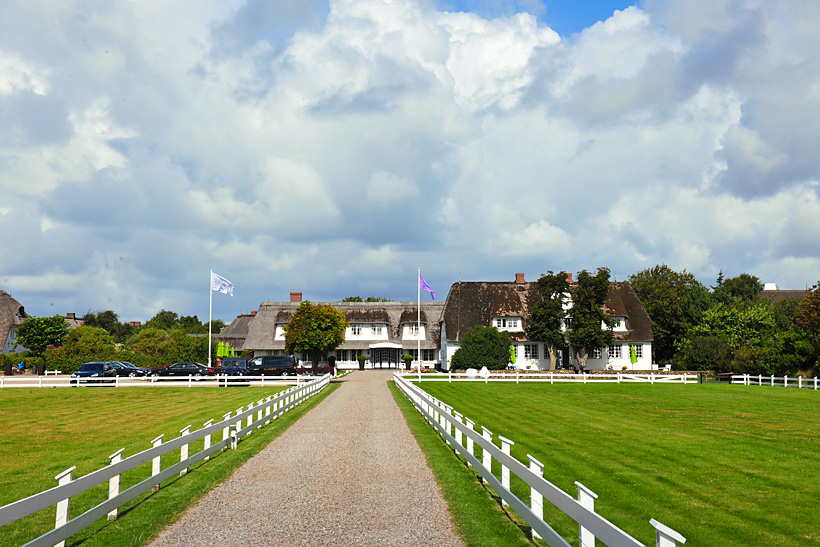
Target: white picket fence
[
  {"x": 254, "y": 416},
  {"x": 782, "y": 381},
  {"x": 33, "y": 381},
  {"x": 552, "y": 377},
  {"x": 458, "y": 430}
]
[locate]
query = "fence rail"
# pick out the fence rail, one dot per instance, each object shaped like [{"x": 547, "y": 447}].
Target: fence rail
[
  {"x": 32, "y": 381},
  {"x": 456, "y": 428},
  {"x": 518, "y": 377},
  {"x": 781, "y": 381},
  {"x": 255, "y": 416}
]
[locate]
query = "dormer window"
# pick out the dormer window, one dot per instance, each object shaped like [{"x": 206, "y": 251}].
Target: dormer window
[{"x": 508, "y": 323}]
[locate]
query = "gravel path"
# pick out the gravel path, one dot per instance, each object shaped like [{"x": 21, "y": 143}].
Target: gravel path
[{"x": 349, "y": 472}]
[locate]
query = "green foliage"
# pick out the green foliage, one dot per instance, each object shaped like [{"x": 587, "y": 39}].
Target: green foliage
[
  {"x": 163, "y": 347},
  {"x": 81, "y": 345},
  {"x": 368, "y": 299},
  {"x": 547, "y": 313},
  {"x": 164, "y": 319},
  {"x": 37, "y": 333},
  {"x": 673, "y": 300},
  {"x": 314, "y": 330},
  {"x": 483, "y": 347},
  {"x": 588, "y": 298},
  {"x": 743, "y": 288}
]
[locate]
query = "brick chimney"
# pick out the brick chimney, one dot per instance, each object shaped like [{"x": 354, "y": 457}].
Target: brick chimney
[
  {"x": 519, "y": 278},
  {"x": 295, "y": 297},
  {"x": 70, "y": 315},
  {"x": 136, "y": 323},
  {"x": 569, "y": 279},
  {"x": 253, "y": 313}
]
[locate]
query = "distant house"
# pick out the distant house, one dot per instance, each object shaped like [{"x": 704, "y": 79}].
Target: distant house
[
  {"x": 772, "y": 293},
  {"x": 382, "y": 331},
  {"x": 505, "y": 305},
  {"x": 12, "y": 314}
]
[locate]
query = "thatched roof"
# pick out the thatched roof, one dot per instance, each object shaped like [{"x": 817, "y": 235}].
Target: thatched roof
[{"x": 12, "y": 313}]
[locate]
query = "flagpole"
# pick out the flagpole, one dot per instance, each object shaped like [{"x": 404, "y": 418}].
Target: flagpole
[
  {"x": 418, "y": 325},
  {"x": 210, "y": 312}
]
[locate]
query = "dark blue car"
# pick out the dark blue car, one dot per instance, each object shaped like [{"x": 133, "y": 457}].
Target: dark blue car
[{"x": 98, "y": 371}]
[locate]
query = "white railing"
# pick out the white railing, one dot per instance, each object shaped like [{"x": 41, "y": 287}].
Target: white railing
[
  {"x": 255, "y": 415},
  {"x": 33, "y": 381},
  {"x": 456, "y": 429},
  {"x": 552, "y": 377},
  {"x": 782, "y": 381}
]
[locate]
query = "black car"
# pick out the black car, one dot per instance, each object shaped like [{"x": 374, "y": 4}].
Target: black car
[
  {"x": 272, "y": 365},
  {"x": 127, "y": 369},
  {"x": 138, "y": 371},
  {"x": 234, "y": 366},
  {"x": 184, "y": 368},
  {"x": 98, "y": 371}
]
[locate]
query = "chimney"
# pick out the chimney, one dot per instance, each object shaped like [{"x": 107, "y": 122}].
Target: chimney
[
  {"x": 295, "y": 297},
  {"x": 135, "y": 323},
  {"x": 253, "y": 313},
  {"x": 70, "y": 315},
  {"x": 519, "y": 278},
  {"x": 569, "y": 279}
]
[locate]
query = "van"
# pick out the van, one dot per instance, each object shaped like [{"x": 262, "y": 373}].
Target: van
[{"x": 272, "y": 365}]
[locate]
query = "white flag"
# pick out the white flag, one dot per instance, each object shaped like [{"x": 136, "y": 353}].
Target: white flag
[{"x": 220, "y": 284}]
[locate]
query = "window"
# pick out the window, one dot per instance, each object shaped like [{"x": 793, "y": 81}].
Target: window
[
  {"x": 341, "y": 355},
  {"x": 596, "y": 353},
  {"x": 638, "y": 350},
  {"x": 615, "y": 351},
  {"x": 531, "y": 351},
  {"x": 428, "y": 354},
  {"x": 413, "y": 329},
  {"x": 356, "y": 330},
  {"x": 376, "y": 330},
  {"x": 506, "y": 322},
  {"x": 567, "y": 323}
]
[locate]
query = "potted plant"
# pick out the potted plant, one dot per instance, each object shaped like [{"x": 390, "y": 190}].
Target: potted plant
[
  {"x": 362, "y": 359},
  {"x": 408, "y": 360}
]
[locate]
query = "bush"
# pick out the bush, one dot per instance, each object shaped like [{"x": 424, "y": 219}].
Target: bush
[{"x": 483, "y": 347}]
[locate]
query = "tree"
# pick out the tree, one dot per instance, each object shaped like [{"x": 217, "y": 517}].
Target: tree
[
  {"x": 109, "y": 321},
  {"x": 483, "y": 347},
  {"x": 369, "y": 299},
  {"x": 164, "y": 319},
  {"x": 665, "y": 294},
  {"x": 590, "y": 327},
  {"x": 547, "y": 313},
  {"x": 806, "y": 322},
  {"x": 314, "y": 330},
  {"x": 37, "y": 333},
  {"x": 744, "y": 288}
]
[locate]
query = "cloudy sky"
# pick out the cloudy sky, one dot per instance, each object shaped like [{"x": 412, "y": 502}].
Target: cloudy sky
[{"x": 335, "y": 146}]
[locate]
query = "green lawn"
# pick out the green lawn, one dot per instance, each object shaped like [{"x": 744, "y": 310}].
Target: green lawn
[
  {"x": 722, "y": 465},
  {"x": 45, "y": 431}
]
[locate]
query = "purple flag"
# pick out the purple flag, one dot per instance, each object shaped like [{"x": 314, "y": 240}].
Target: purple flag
[{"x": 423, "y": 285}]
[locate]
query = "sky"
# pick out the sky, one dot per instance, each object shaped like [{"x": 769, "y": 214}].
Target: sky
[{"x": 335, "y": 147}]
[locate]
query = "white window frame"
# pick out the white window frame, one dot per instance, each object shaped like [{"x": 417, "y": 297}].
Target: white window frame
[
  {"x": 638, "y": 350},
  {"x": 615, "y": 352},
  {"x": 355, "y": 330},
  {"x": 531, "y": 352},
  {"x": 596, "y": 353}
]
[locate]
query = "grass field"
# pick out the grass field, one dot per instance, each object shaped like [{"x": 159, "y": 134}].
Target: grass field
[
  {"x": 722, "y": 465},
  {"x": 46, "y": 431}
]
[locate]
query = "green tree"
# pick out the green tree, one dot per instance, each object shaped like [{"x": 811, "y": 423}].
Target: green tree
[
  {"x": 590, "y": 327},
  {"x": 109, "y": 321},
  {"x": 806, "y": 323},
  {"x": 314, "y": 330},
  {"x": 483, "y": 347},
  {"x": 368, "y": 299},
  {"x": 353, "y": 299},
  {"x": 547, "y": 313},
  {"x": 665, "y": 294},
  {"x": 743, "y": 288},
  {"x": 37, "y": 333},
  {"x": 164, "y": 319}
]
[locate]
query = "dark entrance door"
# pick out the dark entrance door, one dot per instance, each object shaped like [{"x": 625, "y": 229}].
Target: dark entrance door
[{"x": 384, "y": 357}]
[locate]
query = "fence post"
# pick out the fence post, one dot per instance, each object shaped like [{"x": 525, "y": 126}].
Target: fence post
[
  {"x": 785, "y": 381},
  {"x": 487, "y": 458},
  {"x": 815, "y": 383},
  {"x": 183, "y": 452},
  {"x": 209, "y": 423},
  {"x": 225, "y": 429},
  {"x": 114, "y": 483},
  {"x": 799, "y": 382},
  {"x": 536, "y": 499},
  {"x": 551, "y": 380},
  {"x": 250, "y": 417},
  {"x": 586, "y": 498},
  {"x": 156, "y": 464},
  {"x": 268, "y": 409},
  {"x": 772, "y": 379},
  {"x": 505, "y": 471},
  {"x": 259, "y": 414},
  {"x": 63, "y": 506},
  {"x": 449, "y": 377},
  {"x": 234, "y": 440},
  {"x": 458, "y": 433},
  {"x": 584, "y": 374},
  {"x": 516, "y": 376},
  {"x": 665, "y": 536},
  {"x": 760, "y": 379},
  {"x": 470, "y": 447}
]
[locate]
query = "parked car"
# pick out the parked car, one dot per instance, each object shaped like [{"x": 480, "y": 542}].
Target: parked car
[
  {"x": 184, "y": 368},
  {"x": 98, "y": 371},
  {"x": 234, "y": 366},
  {"x": 272, "y": 365},
  {"x": 122, "y": 369},
  {"x": 138, "y": 371}
]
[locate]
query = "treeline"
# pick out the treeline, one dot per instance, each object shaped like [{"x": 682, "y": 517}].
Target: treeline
[
  {"x": 162, "y": 340},
  {"x": 729, "y": 327}
]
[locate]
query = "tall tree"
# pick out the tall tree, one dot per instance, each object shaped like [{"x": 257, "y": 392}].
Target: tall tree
[
  {"x": 665, "y": 294},
  {"x": 483, "y": 347},
  {"x": 547, "y": 313},
  {"x": 37, "y": 333},
  {"x": 590, "y": 327},
  {"x": 743, "y": 288},
  {"x": 314, "y": 330},
  {"x": 164, "y": 319}
]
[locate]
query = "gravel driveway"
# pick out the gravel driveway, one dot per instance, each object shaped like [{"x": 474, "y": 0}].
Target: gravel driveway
[{"x": 349, "y": 472}]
